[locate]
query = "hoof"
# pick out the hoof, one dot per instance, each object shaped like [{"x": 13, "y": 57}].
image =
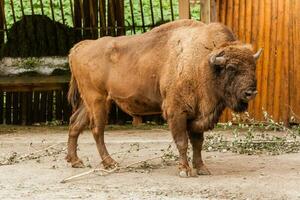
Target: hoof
[
  {"x": 110, "y": 163},
  {"x": 203, "y": 170},
  {"x": 78, "y": 164},
  {"x": 185, "y": 171},
  {"x": 75, "y": 162},
  {"x": 186, "y": 174}
]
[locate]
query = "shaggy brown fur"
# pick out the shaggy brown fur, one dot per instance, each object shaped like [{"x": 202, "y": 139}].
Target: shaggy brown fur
[{"x": 185, "y": 69}]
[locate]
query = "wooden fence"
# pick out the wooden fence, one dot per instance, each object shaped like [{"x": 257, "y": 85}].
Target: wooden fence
[
  {"x": 275, "y": 26},
  {"x": 271, "y": 24},
  {"x": 89, "y": 19}
]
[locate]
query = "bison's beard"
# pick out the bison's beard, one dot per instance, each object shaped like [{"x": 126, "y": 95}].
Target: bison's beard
[{"x": 241, "y": 106}]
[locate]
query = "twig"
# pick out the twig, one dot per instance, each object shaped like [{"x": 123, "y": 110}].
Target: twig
[
  {"x": 38, "y": 151},
  {"x": 142, "y": 161},
  {"x": 107, "y": 171},
  {"x": 15, "y": 159},
  {"x": 87, "y": 173}
]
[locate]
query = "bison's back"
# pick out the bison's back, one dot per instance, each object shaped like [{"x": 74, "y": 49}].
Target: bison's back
[{"x": 136, "y": 70}]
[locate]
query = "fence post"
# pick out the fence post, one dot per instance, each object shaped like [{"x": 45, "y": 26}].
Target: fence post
[
  {"x": 1, "y": 43},
  {"x": 90, "y": 19},
  {"x": 184, "y": 9},
  {"x": 78, "y": 17},
  {"x": 205, "y": 11},
  {"x": 213, "y": 11},
  {"x": 2, "y": 16},
  {"x": 120, "y": 18}
]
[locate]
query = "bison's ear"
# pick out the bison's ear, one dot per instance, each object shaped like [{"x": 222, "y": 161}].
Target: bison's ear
[{"x": 217, "y": 59}]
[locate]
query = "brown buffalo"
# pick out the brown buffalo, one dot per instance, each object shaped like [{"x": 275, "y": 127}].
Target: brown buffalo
[{"x": 186, "y": 70}]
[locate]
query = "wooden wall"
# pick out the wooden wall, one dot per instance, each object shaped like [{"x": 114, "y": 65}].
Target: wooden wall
[{"x": 275, "y": 26}]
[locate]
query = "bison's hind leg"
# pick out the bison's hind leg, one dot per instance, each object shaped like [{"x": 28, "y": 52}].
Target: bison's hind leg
[{"x": 78, "y": 121}]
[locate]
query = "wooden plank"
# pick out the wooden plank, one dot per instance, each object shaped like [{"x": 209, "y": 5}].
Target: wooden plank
[
  {"x": 218, "y": 12},
  {"x": 292, "y": 87},
  {"x": 111, "y": 18},
  {"x": 272, "y": 57},
  {"x": 266, "y": 55},
  {"x": 49, "y": 106},
  {"x": 77, "y": 17},
  {"x": 23, "y": 109},
  {"x": 235, "y": 27},
  {"x": 33, "y": 83},
  {"x": 8, "y": 114},
  {"x": 284, "y": 101},
  {"x": 93, "y": 5},
  {"x": 223, "y": 11},
  {"x": 184, "y": 9},
  {"x": 36, "y": 105},
  {"x": 1, "y": 107},
  {"x": 2, "y": 16},
  {"x": 43, "y": 106},
  {"x": 248, "y": 20},
  {"x": 296, "y": 60},
  {"x": 278, "y": 67},
  {"x": 102, "y": 12},
  {"x": 120, "y": 17},
  {"x": 65, "y": 104},
  {"x": 205, "y": 11},
  {"x": 213, "y": 11},
  {"x": 242, "y": 17},
  {"x": 29, "y": 106},
  {"x": 87, "y": 31},
  {"x": 15, "y": 107},
  {"x": 58, "y": 105},
  {"x": 260, "y": 44},
  {"x": 229, "y": 13},
  {"x": 254, "y": 34}
]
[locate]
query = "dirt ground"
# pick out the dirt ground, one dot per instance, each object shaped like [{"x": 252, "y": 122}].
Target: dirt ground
[{"x": 234, "y": 176}]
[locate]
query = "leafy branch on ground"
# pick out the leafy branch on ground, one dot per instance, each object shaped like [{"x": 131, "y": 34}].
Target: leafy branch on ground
[{"x": 252, "y": 137}]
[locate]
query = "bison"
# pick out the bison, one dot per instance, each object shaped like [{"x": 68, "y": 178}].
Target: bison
[{"x": 186, "y": 70}]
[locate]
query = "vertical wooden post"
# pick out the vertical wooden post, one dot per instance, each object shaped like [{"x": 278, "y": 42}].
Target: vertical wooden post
[
  {"x": 92, "y": 18},
  {"x": 87, "y": 34},
  {"x": 77, "y": 18},
  {"x": 205, "y": 11},
  {"x": 111, "y": 20},
  {"x": 184, "y": 9},
  {"x": 120, "y": 17},
  {"x": 213, "y": 11},
  {"x": 102, "y": 11},
  {"x": 2, "y": 16}
]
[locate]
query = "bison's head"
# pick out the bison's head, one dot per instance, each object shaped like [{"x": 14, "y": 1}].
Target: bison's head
[{"x": 234, "y": 71}]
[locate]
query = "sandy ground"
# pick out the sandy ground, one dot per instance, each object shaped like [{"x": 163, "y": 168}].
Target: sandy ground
[{"x": 233, "y": 176}]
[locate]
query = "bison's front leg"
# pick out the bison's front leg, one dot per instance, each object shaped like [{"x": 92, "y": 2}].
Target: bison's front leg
[
  {"x": 177, "y": 124},
  {"x": 197, "y": 142}
]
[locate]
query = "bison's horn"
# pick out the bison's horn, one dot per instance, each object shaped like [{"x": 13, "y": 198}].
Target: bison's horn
[
  {"x": 257, "y": 54},
  {"x": 217, "y": 60}
]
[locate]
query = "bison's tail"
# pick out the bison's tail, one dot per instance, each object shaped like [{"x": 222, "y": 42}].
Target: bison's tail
[{"x": 73, "y": 94}]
